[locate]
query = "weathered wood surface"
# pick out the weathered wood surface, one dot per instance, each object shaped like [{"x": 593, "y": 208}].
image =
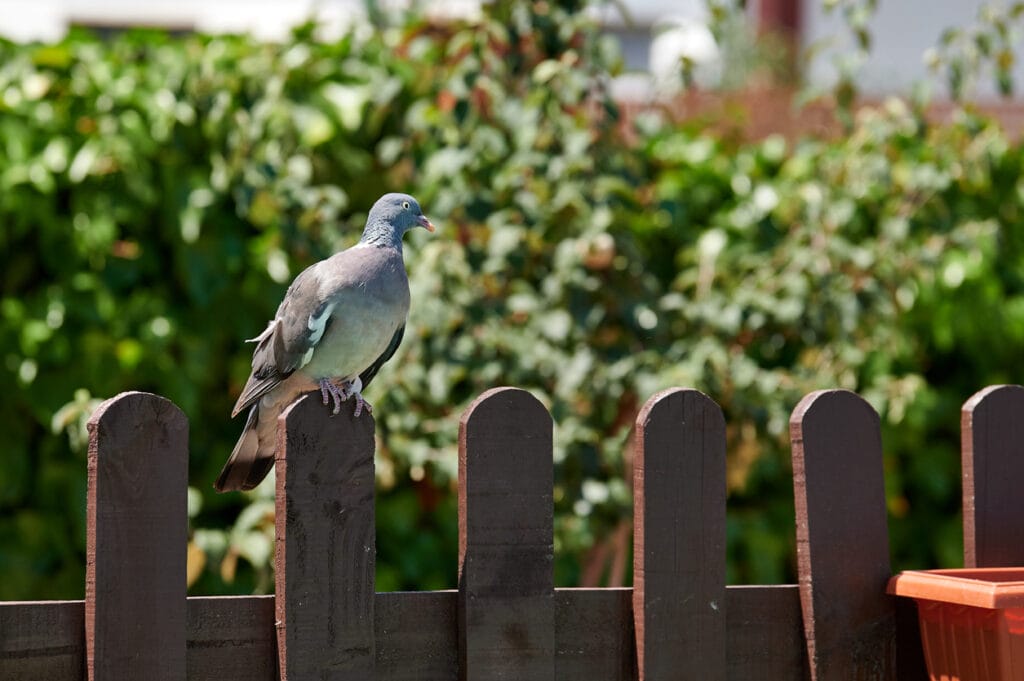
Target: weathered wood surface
[
  {"x": 506, "y": 620},
  {"x": 992, "y": 448},
  {"x": 764, "y": 633},
  {"x": 417, "y": 636},
  {"x": 506, "y": 539},
  {"x": 232, "y": 638},
  {"x": 594, "y": 635},
  {"x": 842, "y": 538},
  {"x": 679, "y": 538},
  {"x": 42, "y": 640},
  {"x": 326, "y": 543},
  {"x": 135, "y": 583}
]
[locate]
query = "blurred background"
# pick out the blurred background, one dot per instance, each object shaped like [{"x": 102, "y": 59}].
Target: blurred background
[{"x": 754, "y": 199}]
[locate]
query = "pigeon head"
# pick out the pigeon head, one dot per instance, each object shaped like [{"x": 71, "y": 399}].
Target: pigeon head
[{"x": 391, "y": 217}]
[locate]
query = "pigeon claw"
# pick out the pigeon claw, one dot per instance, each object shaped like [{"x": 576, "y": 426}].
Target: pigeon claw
[
  {"x": 360, "y": 405},
  {"x": 354, "y": 389},
  {"x": 328, "y": 391},
  {"x": 341, "y": 391}
]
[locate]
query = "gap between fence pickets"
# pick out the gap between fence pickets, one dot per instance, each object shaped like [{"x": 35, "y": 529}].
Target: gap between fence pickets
[{"x": 138, "y": 474}]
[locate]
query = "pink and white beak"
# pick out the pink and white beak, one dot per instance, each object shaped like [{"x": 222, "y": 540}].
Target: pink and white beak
[{"x": 425, "y": 223}]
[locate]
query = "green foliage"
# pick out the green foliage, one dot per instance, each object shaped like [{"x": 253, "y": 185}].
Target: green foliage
[{"x": 158, "y": 193}]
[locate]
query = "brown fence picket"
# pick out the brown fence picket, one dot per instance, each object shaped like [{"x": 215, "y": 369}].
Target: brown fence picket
[
  {"x": 679, "y": 538},
  {"x": 992, "y": 446},
  {"x": 326, "y": 543},
  {"x": 506, "y": 539},
  {"x": 842, "y": 538},
  {"x": 137, "y": 532},
  {"x": 506, "y": 621}
]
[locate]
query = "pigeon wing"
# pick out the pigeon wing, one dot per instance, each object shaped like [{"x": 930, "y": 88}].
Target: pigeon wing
[
  {"x": 288, "y": 342},
  {"x": 371, "y": 371}
]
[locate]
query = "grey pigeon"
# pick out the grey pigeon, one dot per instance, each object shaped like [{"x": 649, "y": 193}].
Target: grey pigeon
[{"x": 340, "y": 320}]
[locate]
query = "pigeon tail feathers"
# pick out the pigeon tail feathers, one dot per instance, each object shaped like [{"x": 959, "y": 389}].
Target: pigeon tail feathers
[{"x": 249, "y": 463}]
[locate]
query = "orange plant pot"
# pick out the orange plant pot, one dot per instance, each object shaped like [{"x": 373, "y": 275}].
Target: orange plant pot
[{"x": 972, "y": 621}]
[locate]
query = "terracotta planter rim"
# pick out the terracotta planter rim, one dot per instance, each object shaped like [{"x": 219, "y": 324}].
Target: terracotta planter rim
[{"x": 993, "y": 588}]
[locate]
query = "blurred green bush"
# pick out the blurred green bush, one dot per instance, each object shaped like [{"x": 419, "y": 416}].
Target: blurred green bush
[{"x": 158, "y": 193}]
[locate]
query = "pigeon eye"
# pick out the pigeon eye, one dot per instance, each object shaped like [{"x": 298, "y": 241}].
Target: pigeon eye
[{"x": 405, "y": 205}]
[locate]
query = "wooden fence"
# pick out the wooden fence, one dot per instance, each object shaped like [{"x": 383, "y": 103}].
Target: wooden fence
[{"x": 506, "y": 620}]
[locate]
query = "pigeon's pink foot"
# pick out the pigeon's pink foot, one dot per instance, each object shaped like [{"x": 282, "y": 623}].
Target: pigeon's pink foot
[
  {"x": 329, "y": 390},
  {"x": 352, "y": 389},
  {"x": 360, "y": 405}
]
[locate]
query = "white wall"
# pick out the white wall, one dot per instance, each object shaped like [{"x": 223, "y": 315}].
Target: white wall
[
  {"x": 902, "y": 31},
  {"x": 48, "y": 20}
]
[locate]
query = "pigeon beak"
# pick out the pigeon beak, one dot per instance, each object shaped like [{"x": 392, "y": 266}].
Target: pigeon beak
[{"x": 424, "y": 222}]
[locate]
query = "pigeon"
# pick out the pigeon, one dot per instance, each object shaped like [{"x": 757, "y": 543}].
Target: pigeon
[{"x": 340, "y": 321}]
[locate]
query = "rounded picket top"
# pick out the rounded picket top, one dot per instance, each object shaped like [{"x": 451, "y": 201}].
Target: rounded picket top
[
  {"x": 137, "y": 515},
  {"x": 309, "y": 412},
  {"x": 505, "y": 448},
  {"x": 507, "y": 409},
  {"x": 839, "y": 498},
  {"x": 1008, "y": 397},
  {"x": 506, "y": 537},
  {"x": 679, "y": 561},
  {"x": 836, "y": 405},
  {"x": 679, "y": 401},
  {"x": 992, "y": 446},
  {"x": 128, "y": 413}
]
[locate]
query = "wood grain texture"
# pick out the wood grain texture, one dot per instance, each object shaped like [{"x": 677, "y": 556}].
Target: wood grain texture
[
  {"x": 417, "y": 636},
  {"x": 137, "y": 532},
  {"x": 594, "y": 635},
  {"x": 842, "y": 538},
  {"x": 679, "y": 538},
  {"x": 992, "y": 447},
  {"x": 42, "y": 641},
  {"x": 506, "y": 540},
  {"x": 326, "y": 543},
  {"x": 765, "y": 634},
  {"x": 231, "y": 638}
]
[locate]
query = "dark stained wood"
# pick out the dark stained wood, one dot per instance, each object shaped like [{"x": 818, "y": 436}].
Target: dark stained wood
[
  {"x": 326, "y": 546},
  {"x": 594, "y": 635},
  {"x": 506, "y": 621},
  {"x": 417, "y": 636},
  {"x": 228, "y": 638},
  {"x": 136, "y": 540},
  {"x": 910, "y": 665},
  {"x": 992, "y": 446},
  {"x": 679, "y": 538},
  {"x": 506, "y": 540},
  {"x": 842, "y": 538},
  {"x": 765, "y": 634},
  {"x": 42, "y": 641},
  {"x": 231, "y": 638}
]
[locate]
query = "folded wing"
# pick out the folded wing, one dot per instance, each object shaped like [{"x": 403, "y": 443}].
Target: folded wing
[{"x": 289, "y": 340}]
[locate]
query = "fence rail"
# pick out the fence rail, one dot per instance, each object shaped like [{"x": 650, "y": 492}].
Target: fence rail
[{"x": 506, "y": 620}]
